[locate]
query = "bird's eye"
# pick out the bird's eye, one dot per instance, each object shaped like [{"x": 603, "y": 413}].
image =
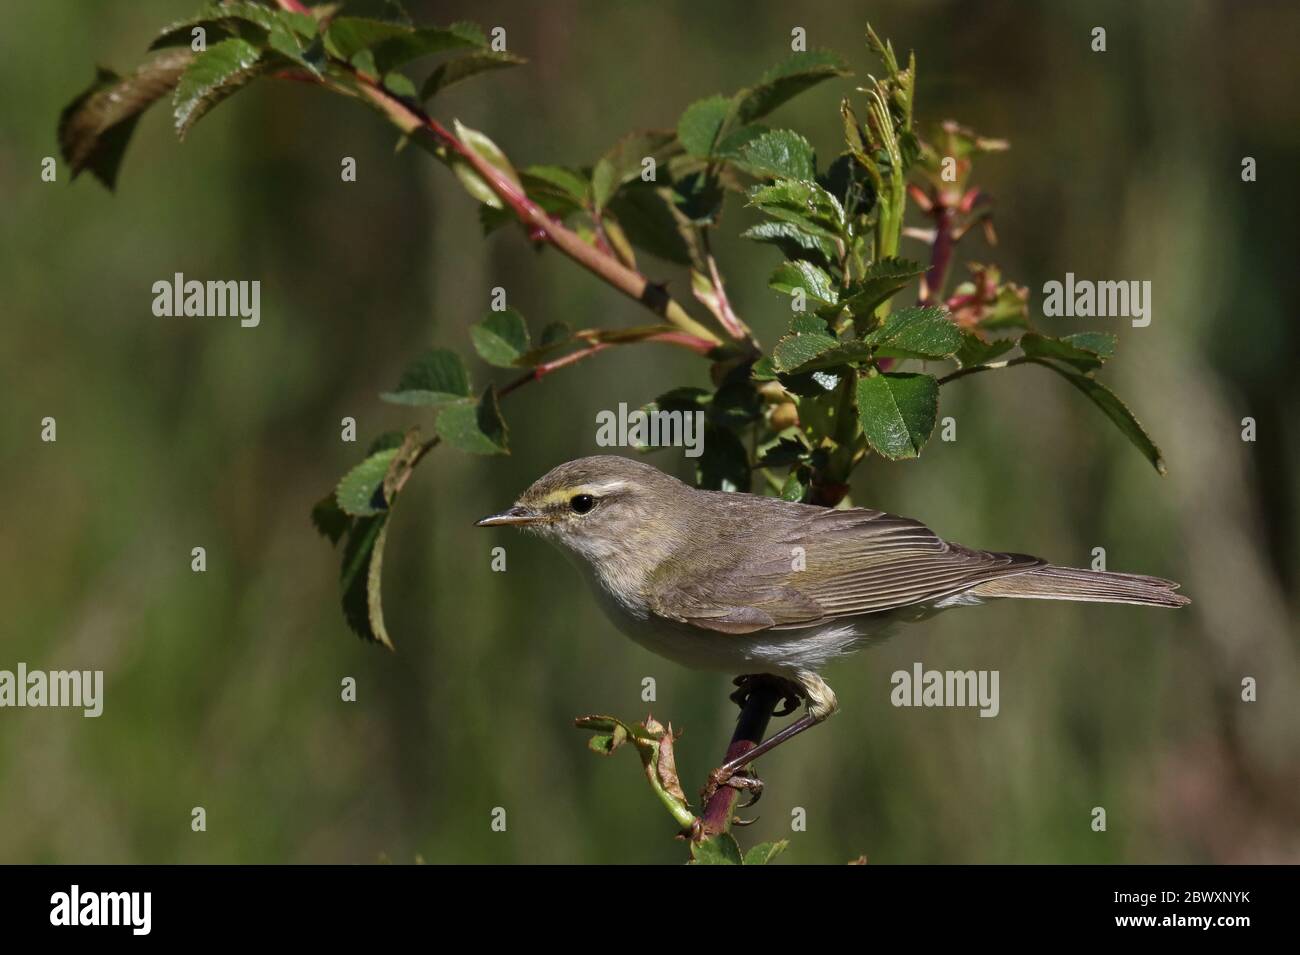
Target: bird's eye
[{"x": 582, "y": 503}]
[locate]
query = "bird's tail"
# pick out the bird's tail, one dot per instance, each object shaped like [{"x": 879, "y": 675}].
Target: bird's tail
[{"x": 1071, "y": 583}]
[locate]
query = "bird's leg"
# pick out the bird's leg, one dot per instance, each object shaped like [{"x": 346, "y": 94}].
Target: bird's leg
[{"x": 821, "y": 704}]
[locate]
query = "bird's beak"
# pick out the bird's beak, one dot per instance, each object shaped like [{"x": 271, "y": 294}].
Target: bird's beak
[{"x": 516, "y": 515}]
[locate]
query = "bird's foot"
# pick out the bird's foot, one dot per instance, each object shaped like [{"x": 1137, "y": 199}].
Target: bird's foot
[
  {"x": 791, "y": 696},
  {"x": 743, "y": 780}
]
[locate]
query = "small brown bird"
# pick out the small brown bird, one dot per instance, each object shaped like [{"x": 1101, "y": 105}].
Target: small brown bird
[{"x": 755, "y": 585}]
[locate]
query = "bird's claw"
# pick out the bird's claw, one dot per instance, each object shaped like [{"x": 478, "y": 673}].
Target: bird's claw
[
  {"x": 740, "y": 779},
  {"x": 790, "y": 700}
]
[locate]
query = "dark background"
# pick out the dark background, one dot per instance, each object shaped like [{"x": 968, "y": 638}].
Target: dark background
[{"x": 222, "y": 689}]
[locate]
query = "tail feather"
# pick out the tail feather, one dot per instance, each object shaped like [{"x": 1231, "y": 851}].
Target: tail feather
[{"x": 1071, "y": 583}]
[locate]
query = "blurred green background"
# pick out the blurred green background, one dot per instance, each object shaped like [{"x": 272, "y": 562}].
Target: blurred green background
[{"x": 222, "y": 689}]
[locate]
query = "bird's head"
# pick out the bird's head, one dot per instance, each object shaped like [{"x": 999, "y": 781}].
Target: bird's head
[{"x": 602, "y": 507}]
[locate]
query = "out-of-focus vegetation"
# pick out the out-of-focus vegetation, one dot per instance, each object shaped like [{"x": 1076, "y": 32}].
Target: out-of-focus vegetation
[{"x": 223, "y": 688}]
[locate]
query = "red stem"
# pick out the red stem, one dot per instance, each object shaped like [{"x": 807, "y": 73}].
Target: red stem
[{"x": 940, "y": 253}]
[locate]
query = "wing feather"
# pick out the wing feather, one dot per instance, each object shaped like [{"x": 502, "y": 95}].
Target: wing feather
[{"x": 850, "y": 562}]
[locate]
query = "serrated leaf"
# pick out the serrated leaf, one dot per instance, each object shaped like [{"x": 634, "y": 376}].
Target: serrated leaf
[
  {"x": 392, "y": 44},
  {"x": 897, "y": 412},
  {"x": 816, "y": 283},
  {"x": 1086, "y": 351},
  {"x": 765, "y": 852},
  {"x": 916, "y": 332},
  {"x": 808, "y": 338},
  {"x": 282, "y": 31},
  {"x": 361, "y": 571},
  {"x": 622, "y": 163},
  {"x": 883, "y": 280},
  {"x": 716, "y": 850},
  {"x": 732, "y": 140},
  {"x": 436, "y": 377},
  {"x": 475, "y": 426},
  {"x": 361, "y": 577},
  {"x": 701, "y": 124},
  {"x": 778, "y": 154},
  {"x": 329, "y": 519},
  {"x": 249, "y": 21},
  {"x": 1114, "y": 409},
  {"x": 463, "y": 67},
  {"x": 787, "y": 79},
  {"x": 501, "y": 339},
  {"x": 211, "y": 77},
  {"x": 95, "y": 128},
  {"x": 554, "y": 336},
  {"x": 793, "y": 241},
  {"x": 976, "y": 351},
  {"x": 643, "y": 212},
  {"x": 804, "y": 203},
  {"x": 361, "y": 491},
  {"x": 847, "y": 352},
  {"x": 474, "y": 183}
]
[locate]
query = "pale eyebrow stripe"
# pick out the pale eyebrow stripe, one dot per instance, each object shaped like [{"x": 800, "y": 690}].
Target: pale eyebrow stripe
[{"x": 563, "y": 494}]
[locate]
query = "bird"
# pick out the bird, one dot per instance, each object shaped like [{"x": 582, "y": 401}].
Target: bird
[{"x": 761, "y": 587}]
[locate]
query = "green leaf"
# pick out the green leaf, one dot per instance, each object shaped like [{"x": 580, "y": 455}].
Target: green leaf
[
  {"x": 282, "y": 31},
  {"x": 724, "y": 464},
  {"x": 554, "y": 336},
  {"x": 501, "y": 339},
  {"x": 808, "y": 338},
  {"x": 559, "y": 180},
  {"x": 237, "y": 18},
  {"x": 361, "y": 491},
  {"x": 787, "y": 79},
  {"x": 1086, "y": 351},
  {"x": 95, "y": 128},
  {"x": 817, "y": 285},
  {"x": 643, "y": 212},
  {"x": 916, "y": 332},
  {"x": 368, "y": 492},
  {"x": 847, "y": 352},
  {"x": 976, "y": 351},
  {"x": 794, "y": 489},
  {"x": 211, "y": 77},
  {"x": 463, "y": 67},
  {"x": 474, "y": 184},
  {"x": 698, "y": 198},
  {"x": 700, "y": 125},
  {"x": 765, "y": 852},
  {"x": 883, "y": 280},
  {"x": 716, "y": 850},
  {"x": 1114, "y": 409},
  {"x": 806, "y": 204},
  {"x": 391, "y": 45},
  {"x": 475, "y": 426},
  {"x": 778, "y": 154},
  {"x": 622, "y": 163},
  {"x": 898, "y": 412},
  {"x": 360, "y": 579},
  {"x": 329, "y": 519},
  {"x": 793, "y": 241},
  {"x": 436, "y": 377}
]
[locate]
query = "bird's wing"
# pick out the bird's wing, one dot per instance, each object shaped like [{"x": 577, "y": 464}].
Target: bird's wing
[{"x": 852, "y": 562}]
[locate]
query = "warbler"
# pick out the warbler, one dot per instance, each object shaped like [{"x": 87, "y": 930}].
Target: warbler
[{"x": 756, "y": 585}]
